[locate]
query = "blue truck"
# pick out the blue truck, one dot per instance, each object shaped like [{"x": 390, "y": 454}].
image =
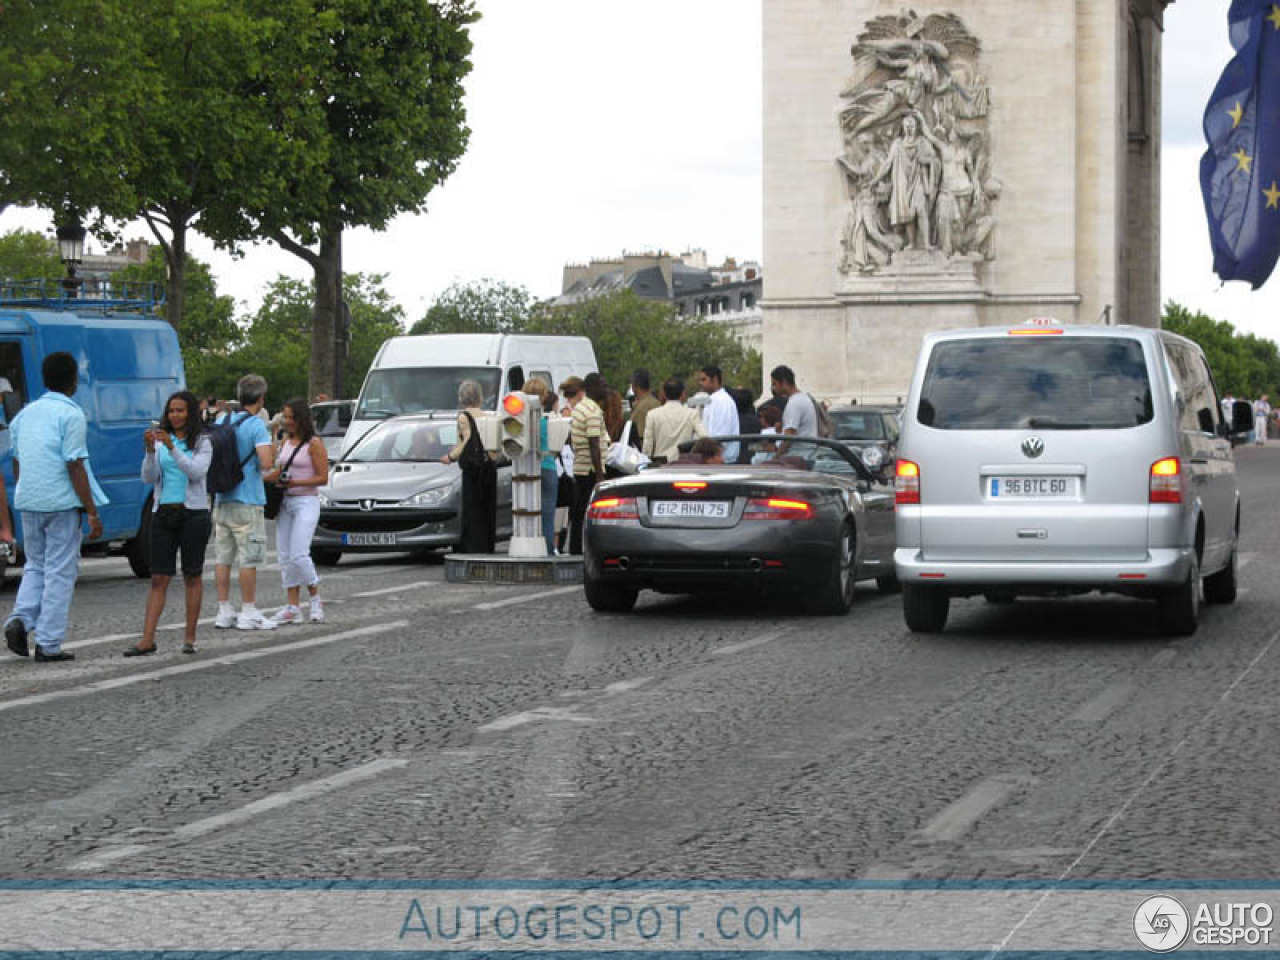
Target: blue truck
[{"x": 129, "y": 365}]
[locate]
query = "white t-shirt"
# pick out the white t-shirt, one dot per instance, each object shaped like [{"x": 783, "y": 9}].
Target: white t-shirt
[{"x": 799, "y": 417}]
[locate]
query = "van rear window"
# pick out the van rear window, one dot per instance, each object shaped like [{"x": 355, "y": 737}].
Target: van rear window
[{"x": 1039, "y": 383}]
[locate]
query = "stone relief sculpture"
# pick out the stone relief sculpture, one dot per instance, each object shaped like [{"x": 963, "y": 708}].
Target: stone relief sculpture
[{"x": 916, "y": 157}]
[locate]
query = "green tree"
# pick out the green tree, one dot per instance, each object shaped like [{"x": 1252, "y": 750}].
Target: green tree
[
  {"x": 628, "y": 331},
  {"x": 277, "y": 339},
  {"x": 388, "y": 81},
  {"x": 213, "y": 145},
  {"x": 484, "y": 306},
  {"x": 1242, "y": 364},
  {"x": 26, "y": 255},
  {"x": 71, "y": 88},
  {"x": 208, "y": 333}
]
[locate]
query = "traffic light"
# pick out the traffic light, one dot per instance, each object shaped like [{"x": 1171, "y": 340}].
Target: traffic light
[{"x": 518, "y": 426}]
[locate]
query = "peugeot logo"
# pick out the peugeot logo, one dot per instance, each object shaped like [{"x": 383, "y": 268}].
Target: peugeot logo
[
  {"x": 1033, "y": 447},
  {"x": 366, "y": 504}
]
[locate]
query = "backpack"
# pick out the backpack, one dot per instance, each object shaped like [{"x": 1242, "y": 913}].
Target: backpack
[
  {"x": 825, "y": 427},
  {"x": 226, "y": 469}
]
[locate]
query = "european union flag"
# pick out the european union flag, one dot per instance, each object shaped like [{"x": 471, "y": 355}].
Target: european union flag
[{"x": 1240, "y": 172}]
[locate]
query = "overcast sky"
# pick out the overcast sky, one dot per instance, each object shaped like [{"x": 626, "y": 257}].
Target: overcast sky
[{"x": 599, "y": 126}]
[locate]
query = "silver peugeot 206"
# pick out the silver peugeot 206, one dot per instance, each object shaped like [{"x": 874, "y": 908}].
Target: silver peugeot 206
[
  {"x": 391, "y": 493},
  {"x": 1050, "y": 460}
]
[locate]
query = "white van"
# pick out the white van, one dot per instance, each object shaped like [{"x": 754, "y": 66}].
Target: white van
[{"x": 422, "y": 374}]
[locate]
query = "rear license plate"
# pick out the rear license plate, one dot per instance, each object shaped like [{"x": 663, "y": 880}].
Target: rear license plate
[
  {"x": 1037, "y": 488},
  {"x": 369, "y": 539},
  {"x": 702, "y": 509}
]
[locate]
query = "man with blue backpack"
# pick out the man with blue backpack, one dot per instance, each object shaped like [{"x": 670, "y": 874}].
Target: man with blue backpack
[{"x": 239, "y": 526}]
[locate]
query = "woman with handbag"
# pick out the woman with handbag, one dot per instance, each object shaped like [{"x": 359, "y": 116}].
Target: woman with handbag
[
  {"x": 302, "y": 467},
  {"x": 479, "y": 475},
  {"x": 178, "y": 451}
]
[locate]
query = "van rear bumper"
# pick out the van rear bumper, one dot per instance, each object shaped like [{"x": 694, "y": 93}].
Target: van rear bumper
[{"x": 1161, "y": 566}]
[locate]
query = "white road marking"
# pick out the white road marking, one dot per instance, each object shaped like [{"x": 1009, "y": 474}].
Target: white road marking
[
  {"x": 1106, "y": 702},
  {"x": 529, "y": 716},
  {"x": 400, "y": 589},
  {"x": 755, "y": 642},
  {"x": 526, "y": 598},
  {"x": 955, "y": 819},
  {"x": 304, "y": 791},
  {"x": 114, "y": 683},
  {"x": 624, "y": 686}
]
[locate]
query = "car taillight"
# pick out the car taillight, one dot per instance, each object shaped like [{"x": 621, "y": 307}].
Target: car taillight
[
  {"x": 906, "y": 482},
  {"x": 613, "y": 508},
  {"x": 1166, "y": 481},
  {"x": 773, "y": 509}
]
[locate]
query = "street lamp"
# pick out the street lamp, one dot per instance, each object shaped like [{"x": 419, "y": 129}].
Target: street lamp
[{"x": 71, "y": 248}]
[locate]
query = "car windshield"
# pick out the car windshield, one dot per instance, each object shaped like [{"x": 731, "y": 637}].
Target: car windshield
[
  {"x": 858, "y": 424},
  {"x": 790, "y": 453},
  {"x": 410, "y": 441},
  {"x": 395, "y": 390},
  {"x": 331, "y": 419},
  {"x": 1041, "y": 383}
]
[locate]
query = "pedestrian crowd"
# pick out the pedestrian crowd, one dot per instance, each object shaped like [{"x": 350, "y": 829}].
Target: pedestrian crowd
[
  {"x": 214, "y": 467},
  {"x": 219, "y": 469}
]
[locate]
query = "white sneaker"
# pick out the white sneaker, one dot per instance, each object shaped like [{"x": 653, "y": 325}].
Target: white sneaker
[
  {"x": 317, "y": 610},
  {"x": 287, "y": 614},
  {"x": 225, "y": 621},
  {"x": 254, "y": 621}
]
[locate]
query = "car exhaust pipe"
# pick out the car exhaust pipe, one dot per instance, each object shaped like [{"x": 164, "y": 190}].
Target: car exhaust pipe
[{"x": 755, "y": 564}]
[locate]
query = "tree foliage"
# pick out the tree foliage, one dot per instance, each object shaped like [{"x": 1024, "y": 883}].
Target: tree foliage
[
  {"x": 387, "y": 81},
  {"x": 628, "y": 331},
  {"x": 1243, "y": 365},
  {"x": 27, "y": 255},
  {"x": 276, "y": 340},
  {"x": 208, "y": 333},
  {"x": 71, "y": 89},
  {"x": 485, "y": 306}
]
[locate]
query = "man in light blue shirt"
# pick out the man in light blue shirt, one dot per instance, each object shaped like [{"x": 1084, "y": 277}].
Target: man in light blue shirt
[
  {"x": 55, "y": 486},
  {"x": 239, "y": 526}
]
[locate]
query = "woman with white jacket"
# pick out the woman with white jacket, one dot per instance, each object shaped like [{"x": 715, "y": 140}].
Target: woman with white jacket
[{"x": 178, "y": 451}]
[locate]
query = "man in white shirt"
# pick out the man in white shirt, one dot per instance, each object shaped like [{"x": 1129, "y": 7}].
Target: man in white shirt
[
  {"x": 671, "y": 424},
  {"x": 799, "y": 418},
  {"x": 720, "y": 416}
]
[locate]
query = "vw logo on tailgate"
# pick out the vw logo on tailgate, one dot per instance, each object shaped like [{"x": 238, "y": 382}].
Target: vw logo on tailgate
[{"x": 1033, "y": 447}]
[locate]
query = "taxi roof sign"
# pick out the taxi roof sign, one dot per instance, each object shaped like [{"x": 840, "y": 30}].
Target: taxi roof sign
[{"x": 1040, "y": 322}]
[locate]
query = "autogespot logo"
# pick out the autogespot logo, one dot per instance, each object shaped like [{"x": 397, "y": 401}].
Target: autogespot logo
[{"x": 1161, "y": 924}]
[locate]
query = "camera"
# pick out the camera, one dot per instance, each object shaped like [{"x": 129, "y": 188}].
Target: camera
[
  {"x": 6, "y": 552},
  {"x": 155, "y": 425},
  {"x": 284, "y": 477}
]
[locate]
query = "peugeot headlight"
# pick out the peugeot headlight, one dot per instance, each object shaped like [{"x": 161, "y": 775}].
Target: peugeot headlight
[
  {"x": 873, "y": 457},
  {"x": 324, "y": 498},
  {"x": 431, "y": 497}
]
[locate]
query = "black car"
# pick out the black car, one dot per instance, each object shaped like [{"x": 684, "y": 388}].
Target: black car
[
  {"x": 872, "y": 431},
  {"x": 804, "y": 516}
]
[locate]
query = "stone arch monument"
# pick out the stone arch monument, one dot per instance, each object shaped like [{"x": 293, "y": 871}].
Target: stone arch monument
[{"x": 974, "y": 163}]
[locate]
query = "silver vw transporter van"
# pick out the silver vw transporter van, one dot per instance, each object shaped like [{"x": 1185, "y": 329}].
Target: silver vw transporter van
[{"x": 1052, "y": 460}]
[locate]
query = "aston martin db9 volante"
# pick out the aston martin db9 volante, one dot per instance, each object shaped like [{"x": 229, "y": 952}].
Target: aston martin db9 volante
[
  {"x": 390, "y": 492},
  {"x": 804, "y": 516}
]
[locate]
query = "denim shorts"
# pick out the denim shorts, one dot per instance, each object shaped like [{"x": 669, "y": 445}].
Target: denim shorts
[{"x": 174, "y": 528}]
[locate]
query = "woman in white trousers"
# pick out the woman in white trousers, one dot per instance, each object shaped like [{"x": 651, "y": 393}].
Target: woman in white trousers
[{"x": 302, "y": 467}]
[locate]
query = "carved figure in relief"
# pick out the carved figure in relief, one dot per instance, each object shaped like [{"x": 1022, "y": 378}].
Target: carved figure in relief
[
  {"x": 912, "y": 169},
  {"x": 917, "y": 158},
  {"x": 866, "y": 242},
  {"x": 955, "y": 191}
]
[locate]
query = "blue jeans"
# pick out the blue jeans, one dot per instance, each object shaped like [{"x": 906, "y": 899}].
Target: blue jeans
[
  {"x": 550, "y": 487},
  {"x": 51, "y": 542}
]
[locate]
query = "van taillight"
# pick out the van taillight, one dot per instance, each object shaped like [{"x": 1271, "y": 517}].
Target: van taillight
[
  {"x": 907, "y": 482},
  {"x": 614, "y": 508},
  {"x": 1166, "y": 481}
]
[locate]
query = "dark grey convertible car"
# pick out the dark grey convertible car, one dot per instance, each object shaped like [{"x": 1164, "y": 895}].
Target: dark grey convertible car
[{"x": 804, "y": 516}]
